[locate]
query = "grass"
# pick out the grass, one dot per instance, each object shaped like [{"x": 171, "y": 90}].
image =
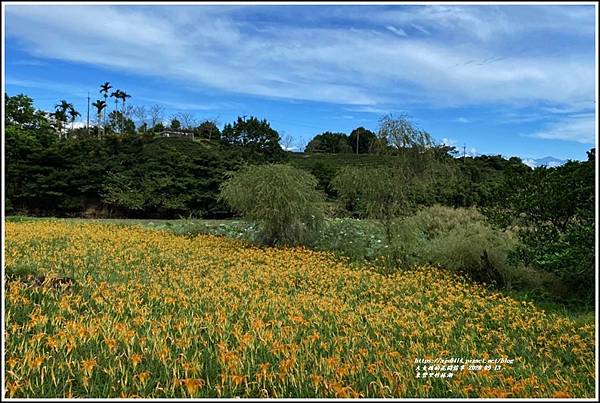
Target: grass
[{"x": 156, "y": 314}]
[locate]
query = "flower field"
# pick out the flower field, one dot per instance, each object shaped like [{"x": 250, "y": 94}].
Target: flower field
[{"x": 153, "y": 314}]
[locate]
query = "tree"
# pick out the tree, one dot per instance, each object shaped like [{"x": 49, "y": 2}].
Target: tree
[
  {"x": 361, "y": 140},
  {"x": 175, "y": 124},
  {"x": 116, "y": 95},
  {"x": 401, "y": 134},
  {"x": 141, "y": 114},
  {"x": 208, "y": 130},
  {"x": 104, "y": 88},
  {"x": 117, "y": 123},
  {"x": 379, "y": 193},
  {"x": 280, "y": 198},
  {"x": 156, "y": 116},
  {"x": 100, "y": 106},
  {"x": 73, "y": 114},
  {"x": 328, "y": 142},
  {"x": 159, "y": 127},
  {"x": 165, "y": 177},
  {"x": 287, "y": 142},
  {"x": 254, "y": 138},
  {"x": 187, "y": 120},
  {"x": 60, "y": 114},
  {"x": 21, "y": 112},
  {"x": 389, "y": 192},
  {"x": 552, "y": 210},
  {"x": 124, "y": 97}
]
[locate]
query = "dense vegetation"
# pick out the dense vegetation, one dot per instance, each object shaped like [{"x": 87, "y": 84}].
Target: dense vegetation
[
  {"x": 129, "y": 174},
  {"x": 119, "y": 170},
  {"x": 282, "y": 199},
  {"x": 536, "y": 220}
]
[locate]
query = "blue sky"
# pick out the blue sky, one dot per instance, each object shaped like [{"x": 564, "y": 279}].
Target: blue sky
[{"x": 500, "y": 79}]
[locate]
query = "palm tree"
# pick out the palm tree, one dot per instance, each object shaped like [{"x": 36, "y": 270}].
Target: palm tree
[
  {"x": 73, "y": 113},
  {"x": 104, "y": 88},
  {"x": 99, "y": 105},
  {"x": 61, "y": 114},
  {"x": 117, "y": 95},
  {"x": 60, "y": 118},
  {"x": 123, "y": 97}
]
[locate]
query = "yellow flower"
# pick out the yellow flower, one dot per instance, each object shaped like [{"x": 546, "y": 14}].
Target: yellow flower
[
  {"x": 136, "y": 359},
  {"x": 238, "y": 379},
  {"x": 36, "y": 362},
  {"x": 110, "y": 343},
  {"x": 143, "y": 377},
  {"x": 192, "y": 385},
  {"x": 88, "y": 365}
]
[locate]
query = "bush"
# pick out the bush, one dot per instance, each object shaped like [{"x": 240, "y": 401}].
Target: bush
[
  {"x": 456, "y": 239},
  {"x": 280, "y": 198}
]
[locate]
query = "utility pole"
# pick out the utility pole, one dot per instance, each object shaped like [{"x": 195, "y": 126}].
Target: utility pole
[
  {"x": 88, "y": 115},
  {"x": 464, "y": 152}
]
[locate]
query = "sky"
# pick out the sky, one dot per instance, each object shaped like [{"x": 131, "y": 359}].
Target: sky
[{"x": 515, "y": 80}]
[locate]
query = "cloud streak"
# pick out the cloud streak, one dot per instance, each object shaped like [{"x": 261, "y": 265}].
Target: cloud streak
[{"x": 579, "y": 128}]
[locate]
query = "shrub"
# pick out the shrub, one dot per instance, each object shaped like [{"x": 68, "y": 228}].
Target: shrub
[
  {"x": 280, "y": 198},
  {"x": 456, "y": 239}
]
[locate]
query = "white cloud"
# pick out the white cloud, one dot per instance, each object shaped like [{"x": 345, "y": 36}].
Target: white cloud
[
  {"x": 397, "y": 31},
  {"x": 471, "y": 152},
  {"x": 420, "y": 28},
  {"x": 580, "y": 128},
  {"x": 462, "y": 120},
  {"x": 215, "y": 47},
  {"x": 449, "y": 142}
]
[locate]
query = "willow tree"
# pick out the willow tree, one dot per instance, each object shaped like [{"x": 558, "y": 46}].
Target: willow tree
[
  {"x": 391, "y": 192},
  {"x": 281, "y": 199}
]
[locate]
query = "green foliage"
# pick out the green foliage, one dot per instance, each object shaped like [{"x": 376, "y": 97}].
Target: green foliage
[
  {"x": 378, "y": 193},
  {"x": 208, "y": 130},
  {"x": 113, "y": 176},
  {"x": 255, "y": 139},
  {"x": 328, "y": 142},
  {"x": 553, "y": 211},
  {"x": 364, "y": 138},
  {"x": 384, "y": 192},
  {"x": 119, "y": 123},
  {"x": 324, "y": 174},
  {"x": 20, "y": 112},
  {"x": 159, "y": 127},
  {"x": 166, "y": 176},
  {"x": 358, "y": 240},
  {"x": 455, "y": 239},
  {"x": 280, "y": 198},
  {"x": 457, "y": 183},
  {"x": 401, "y": 134}
]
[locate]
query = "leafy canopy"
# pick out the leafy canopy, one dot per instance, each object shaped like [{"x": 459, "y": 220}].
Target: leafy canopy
[{"x": 282, "y": 199}]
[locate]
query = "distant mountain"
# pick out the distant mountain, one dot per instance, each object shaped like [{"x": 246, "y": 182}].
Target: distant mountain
[{"x": 550, "y": 162}]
